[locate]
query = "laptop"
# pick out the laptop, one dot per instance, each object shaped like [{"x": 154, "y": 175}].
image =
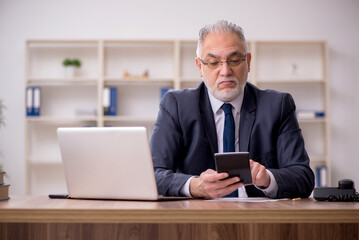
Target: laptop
[{"x": 108, "y": 163}]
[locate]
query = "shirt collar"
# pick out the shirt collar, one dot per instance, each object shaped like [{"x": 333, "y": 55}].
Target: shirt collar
[{"x": 217, "y": 104}]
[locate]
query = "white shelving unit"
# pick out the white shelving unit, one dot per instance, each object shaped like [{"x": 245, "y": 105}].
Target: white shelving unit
[
  {"x": 77, "y": 101},
  {"x": 299, "y": 68}
]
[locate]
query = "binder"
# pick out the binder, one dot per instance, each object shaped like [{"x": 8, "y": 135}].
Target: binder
[
  {"x": 113, "y": 101},
  {"x": 29, "y": 101},
  {"x": 106, "y": 101},
  {"x": 321, "y": 176},
  {"x": 36, "y": 101}
]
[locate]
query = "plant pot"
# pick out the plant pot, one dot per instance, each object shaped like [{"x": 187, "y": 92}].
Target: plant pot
[{"x": 70, "y": 71}]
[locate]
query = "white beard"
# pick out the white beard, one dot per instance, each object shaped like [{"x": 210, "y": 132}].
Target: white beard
[{"x": 225, "y": 95}]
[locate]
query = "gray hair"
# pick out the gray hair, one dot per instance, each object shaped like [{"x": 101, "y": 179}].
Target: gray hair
[{"x": 221, "y": 26}]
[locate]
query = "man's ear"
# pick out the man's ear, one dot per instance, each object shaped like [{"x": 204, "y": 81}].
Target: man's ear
[
  {"x": 199, "y": 66},
  {"x": 249, "y": 57}
]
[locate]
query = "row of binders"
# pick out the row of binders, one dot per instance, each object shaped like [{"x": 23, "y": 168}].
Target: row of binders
[{"x": 33, "y": 101}]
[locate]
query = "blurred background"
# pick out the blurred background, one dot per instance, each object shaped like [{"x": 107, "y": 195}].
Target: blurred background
[{"x": 279, "y": 21}]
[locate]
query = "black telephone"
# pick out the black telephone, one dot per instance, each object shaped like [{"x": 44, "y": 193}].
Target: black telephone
[{"x": 345, "y": 192}]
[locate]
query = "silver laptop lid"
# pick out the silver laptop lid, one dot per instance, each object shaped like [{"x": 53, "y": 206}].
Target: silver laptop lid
[{"x": 107, "y": 163}]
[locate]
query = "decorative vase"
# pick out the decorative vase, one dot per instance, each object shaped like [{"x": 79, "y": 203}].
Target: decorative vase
[{"x": 70, "y": 71}]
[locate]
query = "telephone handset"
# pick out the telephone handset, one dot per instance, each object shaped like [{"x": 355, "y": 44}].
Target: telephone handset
[{"x": 345, "y": 192}]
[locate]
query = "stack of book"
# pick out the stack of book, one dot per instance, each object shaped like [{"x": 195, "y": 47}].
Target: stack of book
[{"x": 4, "y": 188}]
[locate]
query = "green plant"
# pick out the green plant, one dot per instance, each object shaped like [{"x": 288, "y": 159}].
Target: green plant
[{"x": 71, "y": 62}]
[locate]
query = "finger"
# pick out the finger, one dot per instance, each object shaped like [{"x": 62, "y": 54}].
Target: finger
[
  {"x": 226, "y": 182},
  {"x": 254, "y": 171},
  {"x": 251, "y": 163},
  {"x": 230, "y": 189},
  {"x": 209, "y": 171},
  {"x": 259, "y": 179},
  {"x": 217, "y": 185},
  {"x": 261, "y": 173},
  {"x": 215, "y": 189},
  {"x": 214, "y": 176},
  {"x": 263, "y": 178},
  {"x": 230, "y": 181},
  {"x": 260, "y": 176}
]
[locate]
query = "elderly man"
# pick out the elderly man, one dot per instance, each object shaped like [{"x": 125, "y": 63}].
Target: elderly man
[{"x": 192, "y": 125}]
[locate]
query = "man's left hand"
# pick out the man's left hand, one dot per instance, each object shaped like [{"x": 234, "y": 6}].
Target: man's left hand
[{"x": 260, "y": 177}]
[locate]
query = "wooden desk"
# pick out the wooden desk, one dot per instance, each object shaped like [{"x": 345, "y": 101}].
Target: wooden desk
[{"x": 38, "y": 217}]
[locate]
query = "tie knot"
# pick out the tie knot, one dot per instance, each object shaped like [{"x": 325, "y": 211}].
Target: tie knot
[{"x": 227, "y": 108}]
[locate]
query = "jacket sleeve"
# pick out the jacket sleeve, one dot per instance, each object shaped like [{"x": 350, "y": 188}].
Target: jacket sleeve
[
  {"x": 167, "y": 148},
  {"x": 294, "y": 175}
]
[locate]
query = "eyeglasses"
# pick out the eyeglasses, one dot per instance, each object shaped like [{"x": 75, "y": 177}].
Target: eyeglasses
[{"x": 233, "y": 62}]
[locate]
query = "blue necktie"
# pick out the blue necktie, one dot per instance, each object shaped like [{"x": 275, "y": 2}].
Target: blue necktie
[{"x": 228, "y": 135}]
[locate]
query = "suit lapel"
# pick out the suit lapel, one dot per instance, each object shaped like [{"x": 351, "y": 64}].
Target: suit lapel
[
  {"x": 207, "y": 119},
  {"x": 247, "y": 118}
]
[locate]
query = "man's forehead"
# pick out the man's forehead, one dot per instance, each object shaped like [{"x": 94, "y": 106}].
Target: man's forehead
[{"x": 222, "y": 43}]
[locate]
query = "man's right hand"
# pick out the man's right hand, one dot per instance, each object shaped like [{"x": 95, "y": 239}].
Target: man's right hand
[{"x": 210, "y": 184}]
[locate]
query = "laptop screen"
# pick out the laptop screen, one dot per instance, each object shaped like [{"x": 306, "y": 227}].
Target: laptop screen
[{"x": 107, "y": 163}]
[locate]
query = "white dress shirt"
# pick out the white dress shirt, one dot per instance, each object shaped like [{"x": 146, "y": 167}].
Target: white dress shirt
[{"x": 219, "y": 117}]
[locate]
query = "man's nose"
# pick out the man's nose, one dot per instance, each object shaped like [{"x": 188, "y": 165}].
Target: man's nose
[{"x": 225, "y": 70}]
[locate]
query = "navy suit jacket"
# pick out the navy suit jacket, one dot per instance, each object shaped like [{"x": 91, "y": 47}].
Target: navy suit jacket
[{"x": 184, "y": 140}]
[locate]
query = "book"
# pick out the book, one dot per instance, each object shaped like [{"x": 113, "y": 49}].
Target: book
[{"x": 4, "y": 191}]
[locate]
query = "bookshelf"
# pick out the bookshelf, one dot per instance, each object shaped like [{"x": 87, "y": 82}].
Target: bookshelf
[
  {"x": 300, "y": 68},
  {"x": 122, "y": 64}
]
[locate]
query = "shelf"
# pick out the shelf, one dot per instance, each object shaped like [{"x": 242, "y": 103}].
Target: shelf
[
  {"x": 61, "y": 81},
  {"x": 137, "y": 57},
  {"x": 289, "y": 81},
  {"x": 289, "y": 60},
  {"x": 137, "y": 42},
  {"x": 318, "y": 159},
  {"x": 133, "y": 119},
  {"x": 191, "y": 80},
  {"x": 62, "y": 43},
  {"x": 45, "y": 160},
  {"x": 49, "y": 119},
  {"x": 315, "y": 120},
  {"x": 137, "y": 80}
]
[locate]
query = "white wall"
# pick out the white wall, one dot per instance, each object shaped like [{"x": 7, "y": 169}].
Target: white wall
[{"x": 331, "y": 20}]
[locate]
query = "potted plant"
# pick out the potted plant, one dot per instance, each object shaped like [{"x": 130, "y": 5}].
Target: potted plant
[{"x": 71, "y": 66}]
